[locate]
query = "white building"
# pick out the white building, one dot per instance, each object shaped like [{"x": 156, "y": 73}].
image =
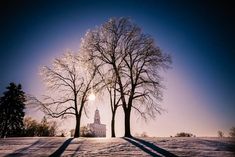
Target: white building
[{"x": 97, "y": 128}]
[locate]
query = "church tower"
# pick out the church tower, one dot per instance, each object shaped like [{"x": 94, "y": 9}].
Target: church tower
[
  {"x": 97, "y": 117},
  {"x": 97, "y": 129}
]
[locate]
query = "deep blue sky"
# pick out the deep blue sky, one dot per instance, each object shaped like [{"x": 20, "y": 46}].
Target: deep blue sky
[{"x": 199, "y": 35}]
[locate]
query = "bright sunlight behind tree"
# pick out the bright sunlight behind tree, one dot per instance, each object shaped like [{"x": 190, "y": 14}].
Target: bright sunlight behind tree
[{"x": 119, "y": 45}]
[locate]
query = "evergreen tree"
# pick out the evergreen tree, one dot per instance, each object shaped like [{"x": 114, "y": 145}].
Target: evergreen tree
[{"x": 12, "y": 111}]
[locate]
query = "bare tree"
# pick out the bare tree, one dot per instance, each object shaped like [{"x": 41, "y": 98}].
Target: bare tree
[
  {"x": 110, "y": 84},
  {"x": 220, "y": 134},
  {"x": 114, "y": 103},
  {"x": 232, "y": 132},
  {"x": 70, "y": 80},
  {"x": 136, "y": 61}
]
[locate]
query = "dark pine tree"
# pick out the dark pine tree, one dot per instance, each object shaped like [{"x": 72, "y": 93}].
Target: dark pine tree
[{"x": 12, "y": 111}]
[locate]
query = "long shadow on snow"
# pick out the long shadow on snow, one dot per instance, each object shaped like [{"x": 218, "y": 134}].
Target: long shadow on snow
[
  {"x": 149, "y": 148},
  {"x": 62, "y": 148},
  {"x": 220, "y": 145},
  {"x": 20, "y": 152}
]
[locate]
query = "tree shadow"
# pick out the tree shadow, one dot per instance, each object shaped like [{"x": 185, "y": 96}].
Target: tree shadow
[
  {"x": 19, "y": 152},
  {"x": 220, "y": 145},
  {"x": 62, "y": 148},
  {"x": 149, "y": 148},
  {"x": 34, "y": 147},
  {"x": 75, "y": 152},
  {"x": 78, "y": 148}
]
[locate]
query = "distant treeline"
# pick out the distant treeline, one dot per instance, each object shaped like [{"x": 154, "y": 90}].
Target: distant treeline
[
  {"x": 34, "y": 128},
  {"x": 184, "y": 134}
]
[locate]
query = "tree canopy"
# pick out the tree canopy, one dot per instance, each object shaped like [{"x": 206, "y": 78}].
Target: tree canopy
[
  {"x": 71, "y": 80},
  {"x": 120, "y": 46}
]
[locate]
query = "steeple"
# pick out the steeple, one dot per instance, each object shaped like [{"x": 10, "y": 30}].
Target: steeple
[
  {"x": 97, "y": 129},
  {"x": 97, "y": 117}
]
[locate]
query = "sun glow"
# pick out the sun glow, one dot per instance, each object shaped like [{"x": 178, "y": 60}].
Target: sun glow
[{"x": 91, "y": 97}]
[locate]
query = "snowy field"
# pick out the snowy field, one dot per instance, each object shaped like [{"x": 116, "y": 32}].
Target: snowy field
[{"x": 56, "y": 146}]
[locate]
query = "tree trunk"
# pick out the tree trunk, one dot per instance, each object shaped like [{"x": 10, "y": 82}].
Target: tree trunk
[
  {"x": 77, "y": 129},
  {"x": 113, "y": 124},
  {"x": 127, "y": 123}
]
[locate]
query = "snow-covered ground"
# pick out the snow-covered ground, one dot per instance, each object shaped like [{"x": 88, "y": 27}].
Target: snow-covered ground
[{"x": 44, "y": 146}]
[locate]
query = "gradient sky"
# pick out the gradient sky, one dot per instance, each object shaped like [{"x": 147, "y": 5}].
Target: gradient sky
[{"x": 199, "y": 96}]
